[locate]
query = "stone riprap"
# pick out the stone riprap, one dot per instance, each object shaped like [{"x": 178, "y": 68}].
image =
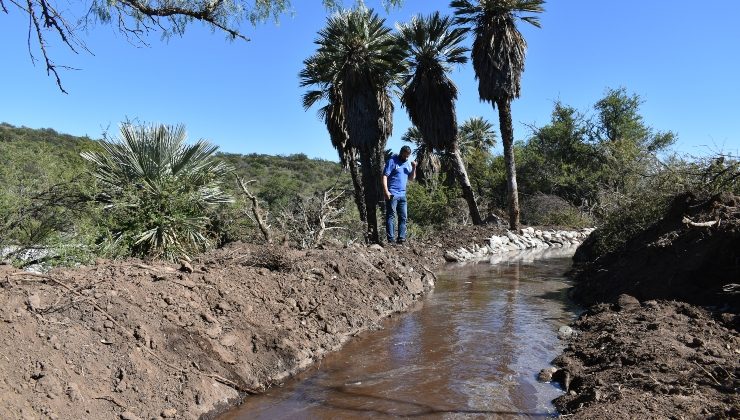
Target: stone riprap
[{"x": 527, "y": 238}]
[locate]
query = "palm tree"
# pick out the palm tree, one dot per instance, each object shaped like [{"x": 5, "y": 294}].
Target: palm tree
[
  {"x": 476, "y": 133},
  {"x": 429, "y": 95},
  {"x": 158, "y": 190},
  {"x": 359, "y": 57},
  {"x": 333, "y": 116},
  {"x": 498, "y": 55},
  {"x": 428, "y": 161}
]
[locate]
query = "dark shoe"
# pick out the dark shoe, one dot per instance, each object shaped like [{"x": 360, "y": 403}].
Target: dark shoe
[{"x": 401, "y": 241}]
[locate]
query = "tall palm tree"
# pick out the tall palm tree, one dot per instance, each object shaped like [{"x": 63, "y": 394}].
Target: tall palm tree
[
  {"x": 429, "y": 95},
  {"x": 333, "y": 116},
  {"x": 476, "y": 133},
  {"x": 358, "y": 55},
  {"x": 498, "y": 55},
  {"x": 157, "y": 189}
]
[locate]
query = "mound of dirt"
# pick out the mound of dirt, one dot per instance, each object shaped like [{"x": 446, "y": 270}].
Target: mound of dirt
[
  {"x": 651, "y": 360},
  {"x": 136, "y": 340},
  {"x": 692, "y": 255}
]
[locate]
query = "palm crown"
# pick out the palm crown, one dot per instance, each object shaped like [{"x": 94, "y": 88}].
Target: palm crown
[
  {"x": 432, "y": 46},
  {"x": 499, "y": 48}
]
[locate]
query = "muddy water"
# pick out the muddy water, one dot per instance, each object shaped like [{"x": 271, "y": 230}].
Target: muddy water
[{"x": 472, "y": 349}]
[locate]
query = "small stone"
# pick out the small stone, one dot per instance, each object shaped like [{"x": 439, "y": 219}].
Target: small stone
[
  {"x": 376, "y": 247},
  {"x": 168, "y": 413},
  {"x": 34, "y": 302},
  {"x": 627, "y": 302},
  {"x": 127, "y": 415},
  {"x": 565, "y": 332},
  {"x": 73, "y": 392},
  {"x": 108, "y": 324},
  {"x": 208, "y": 317},
  {"x": 185, "y": 266},
  {"x": 545, "y": 374},
  {"x": 229, "y": 340},
  {"x": 214, "y": 331},
  {"x": 223, "y": 306}
]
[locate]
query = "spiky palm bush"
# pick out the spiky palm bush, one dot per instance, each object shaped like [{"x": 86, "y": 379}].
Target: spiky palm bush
[{"x": 158, "y": 191}]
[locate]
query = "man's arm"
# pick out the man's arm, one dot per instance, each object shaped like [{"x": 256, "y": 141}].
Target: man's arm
[
  {"x": 385, "y": 188},
  {"x": 413, "y": 171}
]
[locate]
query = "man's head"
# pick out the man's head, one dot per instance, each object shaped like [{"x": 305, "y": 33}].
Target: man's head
[{"x": 405, "y": 153}]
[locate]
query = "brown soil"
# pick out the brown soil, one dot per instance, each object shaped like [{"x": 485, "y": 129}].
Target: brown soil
[
  {"x": 636, "y": 357},
  {"x": 676, "y": 258},
  {"x": 147, "y": 340}
]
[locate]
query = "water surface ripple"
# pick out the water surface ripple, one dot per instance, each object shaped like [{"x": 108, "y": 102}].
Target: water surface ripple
[{"x": 472, "y": 349}]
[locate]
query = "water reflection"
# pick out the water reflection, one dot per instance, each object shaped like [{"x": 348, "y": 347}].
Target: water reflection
[{"x": 471, "y": 351}]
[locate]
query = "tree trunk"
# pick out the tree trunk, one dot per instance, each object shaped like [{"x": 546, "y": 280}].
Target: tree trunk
[
  {"x": 357, "y": 183},
  {"x": 507, "y": 137},
  {"x": 370, "y": 181},
  {"x": 462, "y": 176}
]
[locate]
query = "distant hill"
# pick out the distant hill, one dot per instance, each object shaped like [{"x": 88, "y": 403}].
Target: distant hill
[{"x": 45, "y": 153}]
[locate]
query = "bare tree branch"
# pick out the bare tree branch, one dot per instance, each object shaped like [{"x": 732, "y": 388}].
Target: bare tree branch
[{"x": 256, "y": 211}]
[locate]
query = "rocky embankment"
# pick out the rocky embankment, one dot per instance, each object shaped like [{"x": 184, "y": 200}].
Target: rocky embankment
[{"x": 527, "y": 238}]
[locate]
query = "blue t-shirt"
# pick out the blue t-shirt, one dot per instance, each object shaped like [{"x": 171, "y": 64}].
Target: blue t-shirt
[{"x": 398, "y": 175}]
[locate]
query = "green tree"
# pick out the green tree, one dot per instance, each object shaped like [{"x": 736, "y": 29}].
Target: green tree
[
  {"x": 498, "y": 54},
  {"x": 359, "y": 56},
  {"x": 158, "y": 190},
  {"x": 627, "y": 145},
  {"x": 428, "y": 161},
  {"x": 560, "y": 159},
  {"x": 429, "y": 95},
  {"x": 476, "y": 133}
]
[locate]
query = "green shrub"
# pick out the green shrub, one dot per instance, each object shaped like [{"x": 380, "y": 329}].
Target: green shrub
[
  {"x": 159, "y": 193},
  {"x": 550, "y": 210}
]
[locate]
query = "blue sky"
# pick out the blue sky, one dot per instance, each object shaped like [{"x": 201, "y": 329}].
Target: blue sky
[{"x": 681, "y": 58}]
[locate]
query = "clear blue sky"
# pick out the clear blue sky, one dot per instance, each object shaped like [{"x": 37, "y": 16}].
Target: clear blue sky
[{"x": 683, "y": 59}]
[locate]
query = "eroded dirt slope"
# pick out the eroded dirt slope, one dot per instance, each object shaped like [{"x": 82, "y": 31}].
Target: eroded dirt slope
[{"x": 132, "y": 340}]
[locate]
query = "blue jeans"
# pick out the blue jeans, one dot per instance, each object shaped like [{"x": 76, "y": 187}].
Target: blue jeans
[{"x": 396, "y": 204}]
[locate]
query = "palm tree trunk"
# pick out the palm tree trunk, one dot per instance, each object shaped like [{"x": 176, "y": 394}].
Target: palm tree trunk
[
  {"x": 462, "y": 176},
  {"x": 357, "y": 183},
  {"x": 369, "y": 181},
  {"x": 507, "y": 137}
]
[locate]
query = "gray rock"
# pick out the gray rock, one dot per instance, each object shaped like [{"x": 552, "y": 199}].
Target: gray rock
[
  {"x": 565, "y": 332},
  {"x": 545, "y": 374}
]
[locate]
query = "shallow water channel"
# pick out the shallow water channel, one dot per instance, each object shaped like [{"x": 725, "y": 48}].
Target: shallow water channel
[{"x": 472, "y": 349}]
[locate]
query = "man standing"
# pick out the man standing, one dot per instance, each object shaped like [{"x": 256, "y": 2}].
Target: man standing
[{"x": 398, "y": 171}]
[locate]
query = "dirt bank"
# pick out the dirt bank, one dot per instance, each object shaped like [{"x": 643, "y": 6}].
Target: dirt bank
[
  {"x": 135, "y": 340},
  {"x": 636, "y": 357}
]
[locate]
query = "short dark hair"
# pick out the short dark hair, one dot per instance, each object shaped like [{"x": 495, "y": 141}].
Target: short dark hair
[{"x": 406, "y": 149}]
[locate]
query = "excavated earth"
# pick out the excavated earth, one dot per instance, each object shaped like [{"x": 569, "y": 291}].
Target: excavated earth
[
  {"x": 662, "y": 339},
  {"x": 137, "y": 340},
  {"x": 142, "y": 340}
]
